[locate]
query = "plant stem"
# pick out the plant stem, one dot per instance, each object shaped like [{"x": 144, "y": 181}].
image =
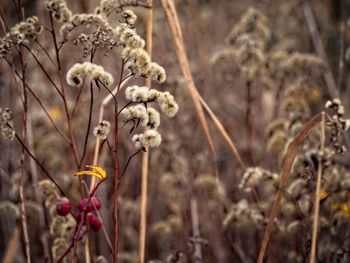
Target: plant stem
[
  {"x": 116, "y": 188},
  {"x": 21, "y": 181},
  {"x": 116, "y": 169},
  {"x": 89, "y": 125},
  {"x": 317, "y": 192}
]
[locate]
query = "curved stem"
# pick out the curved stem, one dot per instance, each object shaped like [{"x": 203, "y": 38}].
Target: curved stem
[{"x": 89, "y": 125}]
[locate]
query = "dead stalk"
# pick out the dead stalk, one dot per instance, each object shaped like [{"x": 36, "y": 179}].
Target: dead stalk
[
  {"x": 195, "y": 229},
  {"x": 199, "y": 103},
  {"x": 12, "y": 246},
  {"x": 286, "y": 169},
  {"x": 317, "y": 192},
  {"x": 174, "y": 25},
  {"x": 145, "y": 156}
]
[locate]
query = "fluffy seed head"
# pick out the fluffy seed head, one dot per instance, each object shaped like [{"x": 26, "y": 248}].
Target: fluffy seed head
[{"x": 102, "y": 130}]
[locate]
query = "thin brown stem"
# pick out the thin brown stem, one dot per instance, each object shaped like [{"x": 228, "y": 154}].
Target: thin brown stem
[
  {"x": 40, "y": 165},
  {"x": 22, "y": 161},
  {"x": 41, "y": 105},
  {"x": 89, "y": 125},
  {"x": 81, "y": 223},
  {"x": 76, "y": 101},
  {"x": 45, "y": 51},
  {"x": 70, "y": 128},
  {"x": 318, "y": 189},
  {"x": 44, "y": 71}
]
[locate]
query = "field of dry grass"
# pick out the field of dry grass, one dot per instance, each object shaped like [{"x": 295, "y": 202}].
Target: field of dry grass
[{"x": 174, "y": 131}]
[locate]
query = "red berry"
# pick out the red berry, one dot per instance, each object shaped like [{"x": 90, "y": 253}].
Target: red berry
[
  {"x": 82, "y": 204},
  {"x": 64, "y": 207},
  {"x": 94, "y": 222},
  {"x": 95, "y": 203}
]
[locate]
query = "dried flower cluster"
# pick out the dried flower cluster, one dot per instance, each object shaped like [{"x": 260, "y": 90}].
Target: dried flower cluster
[
  {"x": 86, "y": 20},
  {"x": 101, "y": 38},
  {"x": 59, "y": 10},
  {"x": 109, "y": 7},
  {"x": 138, "y": 60},
  {"x": 79, "y": 71},
  {"x": 102, "y": 130},
  {"x": 147, "y": 116},
  {"x": 6, "y": 125},
  {"x": 20, "y": 34},
  {"x": 254, "y": 176}
]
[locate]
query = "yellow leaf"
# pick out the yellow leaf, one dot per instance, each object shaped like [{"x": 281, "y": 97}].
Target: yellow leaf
[
  {"x": 96, "y": 171},
  {"x": 89, "y": 173}
]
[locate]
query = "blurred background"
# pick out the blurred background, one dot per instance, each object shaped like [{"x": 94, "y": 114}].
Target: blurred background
[{"x": 263, "y": 77}]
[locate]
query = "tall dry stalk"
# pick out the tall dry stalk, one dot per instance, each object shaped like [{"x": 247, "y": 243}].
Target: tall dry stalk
[
  {"x": 12, "y": 246},
  {"x": 195, "y": 229},
  {"x": 317, "y": 192},
  {"x": 286, "y": 170},
  {"x": 145, "y": 156},
  {"x": 174, "y": 25}
]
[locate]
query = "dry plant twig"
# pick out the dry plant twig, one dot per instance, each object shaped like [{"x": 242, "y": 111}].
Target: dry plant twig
[
  {"x": 12, "y": 246},
  {"x": 286, "y": 169},
  {"x": 174, "y": 25},
  {"x": 318, "y": 189},
  {"x": 145, "y": 156}
]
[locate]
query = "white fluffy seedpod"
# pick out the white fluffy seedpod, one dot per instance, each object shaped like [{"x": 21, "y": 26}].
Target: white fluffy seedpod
[
  {"x": 153, "y": 118},
  {"x": 140, "y": 94},
  {"x": 74, "y": 75},
  {"x": 167, "y": 104},
  {"x": 251, "y": 178},
  {"x": 129, "y": 91},
  {"x": 126, "y": 34},
  {"x": 137, "y": 140},
  {"x": 296, "y": 187},
  {"x": 129, "y": 17},
  {"x": 156, "y": 72},
  {"x": 141, "y": 58},
  {"x": 328, "y": 104},
  {"x": 102, "y": 130},
  {"x": 79, "y": 71},
  {"x": 136, "y": 112},
  {"x": 154, "y": 94},
  {"x": 150, "y": 138}
]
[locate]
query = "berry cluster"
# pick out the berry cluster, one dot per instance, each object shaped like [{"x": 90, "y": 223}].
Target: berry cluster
[{"x": 85, "y": 206}]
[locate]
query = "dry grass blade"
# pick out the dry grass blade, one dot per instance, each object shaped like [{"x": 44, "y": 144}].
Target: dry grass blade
[
  {"x": 145, "y": 157},
  {"x": 174, "y": 25},
  {"x": 287, "y": 166},
  {"x": 143, "y": 206},
  {"x": 317, "y": 192},
  {"x": 12, "y": 246},
  {"x": 223, "y": 132}
]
